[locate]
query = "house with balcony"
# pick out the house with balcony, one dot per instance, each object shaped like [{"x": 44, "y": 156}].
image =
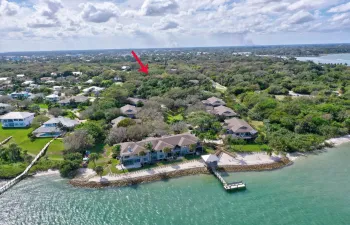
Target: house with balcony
[
  {"x": 17, "y": 119},
  {"x": 136, "y": 154},
  {"x": 20, "y": 95},
  {"x": 55, "y": 127},
  {"x": 214, "y": 102},
  {"x": 238, "y": 128},
  {"x": 223, "y": 111},
  {"x": 53, "y": 98}
]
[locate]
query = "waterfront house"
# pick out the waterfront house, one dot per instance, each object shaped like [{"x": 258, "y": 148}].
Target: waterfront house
[
  {"x": 213, "y": 101},
  {"x": 53, "y": 98},
  {"x": 55, "y": 127},
  {"x": 223, "y": 111},
  {"x": 129, "y": 110},
  {"x": 17, "y": 119},
  {"x": 135, "y": 154},
  {"x": 73, "y": 101},
  {"x": 238, "y": 128},
  {"x": 20, "y": 95}
]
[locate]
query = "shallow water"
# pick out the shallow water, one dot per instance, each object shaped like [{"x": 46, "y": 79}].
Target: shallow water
[
  {"x": 315, "y": 190},
  {"x": 331, "y": 58}
]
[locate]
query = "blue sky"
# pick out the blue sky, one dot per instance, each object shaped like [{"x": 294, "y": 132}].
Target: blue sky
[{"x": 32, "y": 25}]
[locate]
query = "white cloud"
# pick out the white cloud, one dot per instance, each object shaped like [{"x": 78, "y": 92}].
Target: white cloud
[
  {"x": 8, "y": 8},
  {"x": 340, "y": 8},
  {"x": 339, "y": 17},
  {"x": 165, "y": 24},
  {"x": 159, "y": 7},
  {"x": 301, "y": 17},
  {"x": 99, "y": 12}
]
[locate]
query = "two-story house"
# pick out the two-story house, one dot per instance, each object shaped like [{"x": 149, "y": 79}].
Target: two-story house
[
  {"x": 135, "y": 154},
  {"x": 55, "y": 127},
  {"x": 53, "y": 98},
  {"x": 223, "y": 111},
  {"x": 20, "y": 95},
  {"x": 238, "y": 128},
  {"x": 17, "y": 119}
]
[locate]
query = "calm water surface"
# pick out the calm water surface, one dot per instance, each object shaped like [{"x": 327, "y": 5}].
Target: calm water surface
[
  {"x": 313, "y": 191},
  {"x": 331, "y": 58}
]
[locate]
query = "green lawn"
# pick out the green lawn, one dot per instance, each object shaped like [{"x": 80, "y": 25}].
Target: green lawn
[
  {"x": 43, "y": 106},
  {"x": 19, "y": 136},
  {"x": 249, "y": 148},
  {"x": 173, "y": 119}
]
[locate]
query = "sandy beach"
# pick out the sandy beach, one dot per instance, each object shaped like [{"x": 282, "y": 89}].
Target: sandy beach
[{"x": 339, "y": 140}]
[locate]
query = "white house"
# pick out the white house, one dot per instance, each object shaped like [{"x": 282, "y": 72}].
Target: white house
[
  {"x": 77, "y": 73},
  {"x": 93, "y": 89},
  {"x": 17, "y": 119},
  {"x": 53, "y": 127},
  {"x": 53, "y": 98}
]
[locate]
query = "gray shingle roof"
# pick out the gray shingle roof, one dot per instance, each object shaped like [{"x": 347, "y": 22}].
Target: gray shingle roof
[
  {"x": 239, "y": 126},
  {"x": 16, "y": 115},
  {"x": 64, "y": 121}
]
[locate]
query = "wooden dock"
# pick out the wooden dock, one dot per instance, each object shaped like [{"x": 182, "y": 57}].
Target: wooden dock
[
  {"x": 228, "y": 186},
  {"x": 14, "y": 181}
]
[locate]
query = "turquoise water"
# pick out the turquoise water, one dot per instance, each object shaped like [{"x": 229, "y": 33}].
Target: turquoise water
[
  {"x": 331, "y": 58},
  {"x": 315, "y": 190}
]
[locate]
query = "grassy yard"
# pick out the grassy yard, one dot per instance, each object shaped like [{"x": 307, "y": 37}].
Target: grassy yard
[
  {"x": 19, "y": 136},
  {"x": 172, "y": 119},
  {"x": 248, "y": 148},
  {"x": 43, "y": 106}
]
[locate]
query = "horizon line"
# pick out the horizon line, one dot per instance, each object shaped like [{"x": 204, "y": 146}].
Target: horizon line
[{"x": 224, "y": 46}]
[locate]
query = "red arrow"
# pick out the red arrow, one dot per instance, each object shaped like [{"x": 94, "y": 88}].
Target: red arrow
[{"x": 143, "y": 69}]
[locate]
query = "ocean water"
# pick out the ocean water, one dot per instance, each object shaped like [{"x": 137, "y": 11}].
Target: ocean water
[
  {"x": 331, "y": 58},
  {"x": 313, "y": 191}
]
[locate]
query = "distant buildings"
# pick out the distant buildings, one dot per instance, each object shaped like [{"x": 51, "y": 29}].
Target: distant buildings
[
  {"x": 20, "y": 95},
  {"x": 77, "y": 73},
  {"x": 55, "y": 127},
  {"x": 73, "y": 100},
  {"x": 53, "y": 98},
  {"x": 17, "y": 119},
  {"x": 126, "y": 68},
  {"x": 93, "y": 89}
]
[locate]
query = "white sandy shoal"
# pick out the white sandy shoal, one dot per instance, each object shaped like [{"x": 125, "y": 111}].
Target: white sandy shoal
[
  {"x": 339, "y": 140},
  {"x": 150, "y": 172},
  {"x": 247, "y": 159}
]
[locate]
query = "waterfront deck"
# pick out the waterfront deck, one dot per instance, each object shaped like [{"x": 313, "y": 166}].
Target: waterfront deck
[{"x": 228, "y": 186}]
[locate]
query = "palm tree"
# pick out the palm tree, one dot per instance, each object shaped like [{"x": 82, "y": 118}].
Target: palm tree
[
  {"x": 167, "y": 150},
  {"x": 149, "y": 147},
  {"x": 99, "y": 170},
  {"x": 94, "y": 156}
]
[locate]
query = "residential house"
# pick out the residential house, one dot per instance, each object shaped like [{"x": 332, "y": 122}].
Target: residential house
[
  {"x": 77, "y": 73},
  {"x": 129, "y": 110},
  {"x": 17, "y": 119},
  {"x": 213, "y": 101},
  {"x": 238, "y": 128},
  {"x": 36, "y": 96},
  {"x": 28, "y": 82},
  {"x": 45, "y": 79},
  {"x": 126, "y": 68},
  {"x": 20, "y": 95},
  {"x": 93, "y": 89},
  {"x": 135, "y": 101},
  {"x": 223, "y": 111},
  {"x": 57, "y": 88},
  {"x": 53, "y": 98},
  {"x": 118, "y": 79},
  {"x": 90, "y": 81},
  {"x": 55, "y": 127},
  {"x": 135, "y": 154},
  {"x": 20, "y": 76},
  {"x": 74, "y": 100}
]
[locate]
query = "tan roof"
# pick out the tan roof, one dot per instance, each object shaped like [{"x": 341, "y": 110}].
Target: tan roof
[
  {"x": 220, "y": 110},
  {"x": 128, "y": 109},
  {"x": 133, "y": 148},
  {"x": 239, "y": 126},
  {"x": 212, "y": 100}
]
